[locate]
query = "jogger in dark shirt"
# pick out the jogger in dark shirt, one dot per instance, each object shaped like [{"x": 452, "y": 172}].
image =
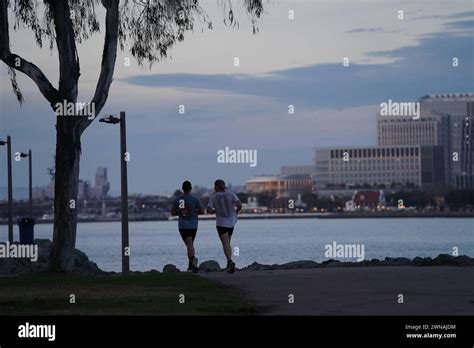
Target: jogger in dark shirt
[{"x": 187, "y": 207}]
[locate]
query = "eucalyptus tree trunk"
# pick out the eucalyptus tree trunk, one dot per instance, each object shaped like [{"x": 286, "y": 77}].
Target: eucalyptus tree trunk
[{"x": 68, "y": 152}]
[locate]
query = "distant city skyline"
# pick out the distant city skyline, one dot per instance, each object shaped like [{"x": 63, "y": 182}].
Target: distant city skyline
[{"x": 247, "y": 107}]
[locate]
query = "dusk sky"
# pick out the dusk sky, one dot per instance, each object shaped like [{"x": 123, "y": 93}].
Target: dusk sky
[{"x": 296, "y": 62}]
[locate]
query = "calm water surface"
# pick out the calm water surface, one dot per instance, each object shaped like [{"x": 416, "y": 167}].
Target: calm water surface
[{"x": 154, "y": 244}]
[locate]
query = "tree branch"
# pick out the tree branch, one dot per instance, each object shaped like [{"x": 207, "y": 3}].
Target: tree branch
[
  {"x": 16, "y": 62},
  {"x": 67, "y": 51},
  {"x": 109, "y": 56},
  {"x": 33, "y": 72}
]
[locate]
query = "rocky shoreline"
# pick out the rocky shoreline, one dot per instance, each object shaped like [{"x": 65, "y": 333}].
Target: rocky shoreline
[
  {"x": 19, "y": 266},
  {"x": 83, "y": 266}
]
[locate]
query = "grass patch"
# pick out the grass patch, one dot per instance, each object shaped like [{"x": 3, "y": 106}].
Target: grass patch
[{"x": 136, "y": 294}]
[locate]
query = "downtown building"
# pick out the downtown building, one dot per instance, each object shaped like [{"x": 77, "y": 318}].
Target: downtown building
[
  {"x": 85, "y": 190},
  {"x": 280, "y": 186},
  {"x": 446, "y": 120},
  {"x": 431, "y": 151},
  {"x": 378, "y": 166},
  {"x": 304, "y": 169}
]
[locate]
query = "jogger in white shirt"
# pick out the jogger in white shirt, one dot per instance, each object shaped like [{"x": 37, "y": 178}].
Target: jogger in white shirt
[{"x": 226, "y": 205}]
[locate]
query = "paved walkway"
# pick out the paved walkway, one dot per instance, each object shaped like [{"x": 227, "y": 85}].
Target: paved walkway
[{"x": 358, "y": 290}]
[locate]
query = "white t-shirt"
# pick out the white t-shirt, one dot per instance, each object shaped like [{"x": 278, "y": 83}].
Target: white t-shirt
[{"x": 224, "y": 204}]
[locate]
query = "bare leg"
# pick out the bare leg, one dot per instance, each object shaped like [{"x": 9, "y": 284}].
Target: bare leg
[
  {"x": 225, "y": 239},
  {"x": 189, "y": 245}
]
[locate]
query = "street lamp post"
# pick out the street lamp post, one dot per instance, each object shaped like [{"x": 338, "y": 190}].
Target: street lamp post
[
  {"x": 8, "y": 142},
  {"x": 124, "y": 188},
  {"x": 30, "y": 180}
]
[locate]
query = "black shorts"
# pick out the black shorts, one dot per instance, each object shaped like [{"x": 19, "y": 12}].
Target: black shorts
[
  {"x": 221, "y": 230},
  {"x": 188, "y": 232}
]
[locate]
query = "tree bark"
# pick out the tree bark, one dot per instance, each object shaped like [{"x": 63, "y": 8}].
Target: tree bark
[{"x": 68, "y": 152}]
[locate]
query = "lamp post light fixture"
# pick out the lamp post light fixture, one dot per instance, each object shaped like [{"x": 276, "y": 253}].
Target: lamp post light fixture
[
  {"x": 124, "y": 188},
  {"x": 110, "y": 119},
  {"x": 8, "y": 142},
  {"x": 30, "y": 180}
]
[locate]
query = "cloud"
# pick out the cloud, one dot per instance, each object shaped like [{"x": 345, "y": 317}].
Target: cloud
[
  {"x": 450, "y": 16},
  {"x": 461, "y": 15},
  {"x": 366, "y": 30},
  {"x": 467, "y": 24},
  {"x": 415, "y": 71}
]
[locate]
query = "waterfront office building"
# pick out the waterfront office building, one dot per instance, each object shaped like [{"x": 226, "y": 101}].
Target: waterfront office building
[
  {"x": 445, "y": 120},
  {"x": 337, "y": 167},
  {"x": 280, "y": 187},
  {"x": 296, "y": 170},
  {"x": 402, "y": 130}
]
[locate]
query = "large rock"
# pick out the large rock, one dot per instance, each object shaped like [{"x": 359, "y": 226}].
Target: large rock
[
  {"x": 397, "y": 261},
  {"x": 257, "y": 267},
  {"x": 331, "y": 263},
  {"x": 299, "y": 265},
  {"x": 209, "y": 266},
  {"x": 82, "y": 265},
  {"x": 363, "y": 263},
  {"x": 444, "y": 260},
  {"x": 464, "y": 260},
  {"x": 169, "y": 268},
  {"x": 449, "y": 260},
  {"x": 16, "y": 266},
  {"x": 422, "y": 261}
]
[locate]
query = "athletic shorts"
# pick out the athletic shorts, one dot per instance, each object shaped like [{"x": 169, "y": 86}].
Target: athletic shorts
[
  {"x": 221, "y": 230},
  {"x": 188, "y": 232}
]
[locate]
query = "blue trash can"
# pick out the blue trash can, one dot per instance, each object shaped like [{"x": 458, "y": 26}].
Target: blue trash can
[{"x": 27, "y": 230}]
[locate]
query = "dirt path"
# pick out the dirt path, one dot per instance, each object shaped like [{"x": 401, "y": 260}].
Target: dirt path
[{"x": 358, "y": 290}]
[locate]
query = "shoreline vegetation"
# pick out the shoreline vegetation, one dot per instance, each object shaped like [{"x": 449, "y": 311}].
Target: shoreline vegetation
[{"x": 296, "y": 215}]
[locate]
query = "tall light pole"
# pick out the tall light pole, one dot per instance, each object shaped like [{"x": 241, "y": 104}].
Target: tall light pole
[
  {"x": 30, "y": 181},
  {"x": 124, "y": 187},
  {"x": 8, "y": 142}
]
